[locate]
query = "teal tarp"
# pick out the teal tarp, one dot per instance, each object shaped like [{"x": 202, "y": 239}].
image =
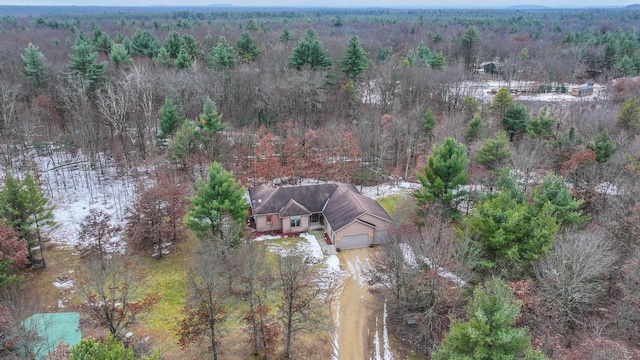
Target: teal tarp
[{"x": 53, "y": 328}]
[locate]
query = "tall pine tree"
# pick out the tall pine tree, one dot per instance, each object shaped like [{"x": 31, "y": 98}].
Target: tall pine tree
[
  {"x": 216, "y": 198},
  {"x": 34, "y": 65},
  {"x": 247, "y": 47},
  {"x": 354, "y": 59},
  {"x": 84, "y": 62},
  {"x": 445, "y": 171},
  {"x": 120, "y": 56},
  {"x": 490, "y": 332},
  {"x": 169, "y": 119},
  {"x": 223, "y": 55},
  {"x": 309, "y": 52}
]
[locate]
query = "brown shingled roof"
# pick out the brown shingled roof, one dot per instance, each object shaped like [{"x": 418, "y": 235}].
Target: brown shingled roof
[
  {"x": 340, "y": 203},
  {"x": 266, "y": 200},
  {"x": 347, "y": 204},
  {"x": 293, "y": 208}
]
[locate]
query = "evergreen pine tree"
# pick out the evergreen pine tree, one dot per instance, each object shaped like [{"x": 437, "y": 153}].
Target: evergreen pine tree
[
  {"x": 602, "y": 146},
  {"x": 120, "y": 56},
  {"x": 25, "y": 208},
  {"x": 183, "y": 61},
  {"x": 143, "y": 42},
  {"x": 445, "y": 171},
  {"x": 429, "y": 123},
  {"x": 173, "y": 44},
  {"x": 34, "y": 65},
  {"x": 191, "y": 46},
  {"x": 222, "y": 55},
  {"x": 514, "y": 121},
  {"x": 247, "y": 47},
  {"x": 101, "y": 41},
  {"x": 84, "y": 62},
  {"x": 354, "y": 59},
  {"x": 490, "y": 332},
  {"x": 163, "y": 58},
  {"x": 475, "y": 128},
  {"x": 494, "y": 153},
  {"x": 555, "y": 191},
  {"x": 169, "y": 119},
  {"x": 629, "y": 115},
  {"x": 285, "y": 36},
  {"x": 216, "y": 197},
  {"x": 39, "y": 209},
  {"x": 309, "y": 52},
  {"x": 210, "y": 120},
  {"x": 184, "y": 144},
  {"x": 437, "y": 61}
]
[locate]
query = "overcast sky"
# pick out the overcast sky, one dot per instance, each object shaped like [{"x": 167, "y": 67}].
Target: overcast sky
[{"x": 327, "y": 3}]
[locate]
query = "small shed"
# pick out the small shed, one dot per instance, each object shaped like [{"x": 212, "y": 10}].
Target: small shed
[
  {"x": 52, "y": 328},
  {"x": 488, "y": 67},
  {"x": 584, "y": 90}
]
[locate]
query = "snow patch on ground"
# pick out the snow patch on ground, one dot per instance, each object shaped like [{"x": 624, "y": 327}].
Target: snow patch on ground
[
  {"x": 376, "y": 344},
  {"x": 333, "y": 263},
  {"x": 358, "y": 270},
  {"x": 75, "y": 184},
  {"x": 387, "y": 354},
  {"x": 314, "y": 250},
  {"x": 334, "y": 335},
  {"x": 63, "y": 284},
  {"x": 410, "y": 259},
  {"x": 266, "y": 237}
]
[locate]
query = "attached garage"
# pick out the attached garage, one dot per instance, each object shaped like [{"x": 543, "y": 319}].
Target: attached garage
[{"x": 353, "y": 241}]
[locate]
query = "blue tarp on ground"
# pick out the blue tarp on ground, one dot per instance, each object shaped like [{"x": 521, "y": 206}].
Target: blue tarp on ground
[{"x": 53, "y": 328}]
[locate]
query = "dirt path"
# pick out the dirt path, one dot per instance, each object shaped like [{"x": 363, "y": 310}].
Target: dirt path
[{"x": 358, "y": 315}]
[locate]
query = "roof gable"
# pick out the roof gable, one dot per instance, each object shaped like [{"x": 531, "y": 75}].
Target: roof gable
[{"x": 293, "y": 208}]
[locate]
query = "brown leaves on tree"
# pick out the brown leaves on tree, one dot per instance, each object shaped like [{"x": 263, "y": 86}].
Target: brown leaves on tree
[
  {"x": 96, "y": 231},
  {"x": 200, "y": 320},
  {"x": 266, "y": 162},
  {"x": 13, "y": 248},
  {"x": 155, "y": 221},
  {"x": 114, "y": 294},
  {"x": 580, "y": 158},
  {"x": 268, "y": 332}
]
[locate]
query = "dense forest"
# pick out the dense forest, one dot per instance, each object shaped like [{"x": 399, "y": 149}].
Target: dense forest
[{"x": 518, "y": 130}]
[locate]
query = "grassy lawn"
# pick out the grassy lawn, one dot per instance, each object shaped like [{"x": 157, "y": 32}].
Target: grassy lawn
[
  {"x": 168, "y": 277},
  {"x": 390, "y": 203},
  {"x": 60, "y": 262}
]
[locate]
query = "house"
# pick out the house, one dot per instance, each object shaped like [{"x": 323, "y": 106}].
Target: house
[
  {"x": 349, "y": 219},
  {"x": 583, "y": 90}
]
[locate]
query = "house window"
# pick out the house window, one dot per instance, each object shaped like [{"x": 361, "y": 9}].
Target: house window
[
  {"x": 269, "y": 219},
  {"x": 295, "y": 221}
]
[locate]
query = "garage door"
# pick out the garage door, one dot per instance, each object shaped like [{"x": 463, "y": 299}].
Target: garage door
[{"x": 353, "y": 241}]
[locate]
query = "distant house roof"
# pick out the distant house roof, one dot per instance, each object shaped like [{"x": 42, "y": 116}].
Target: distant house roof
[
  {"x": 340, "y": 203},
  {"x": 53, "y": 328}
]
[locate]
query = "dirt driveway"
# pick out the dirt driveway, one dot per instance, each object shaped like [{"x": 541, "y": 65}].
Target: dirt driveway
[{"x": 360, "y": 317}]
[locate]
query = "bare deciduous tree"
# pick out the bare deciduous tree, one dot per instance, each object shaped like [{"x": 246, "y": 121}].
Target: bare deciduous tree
[
  {"x": 572, "y": 278},
  {"x": 96, "y": 231},
  {"x": 301, "y": 305},
  {"x": 114, "y": 293},
  {"x": 205, "y": 311}
]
